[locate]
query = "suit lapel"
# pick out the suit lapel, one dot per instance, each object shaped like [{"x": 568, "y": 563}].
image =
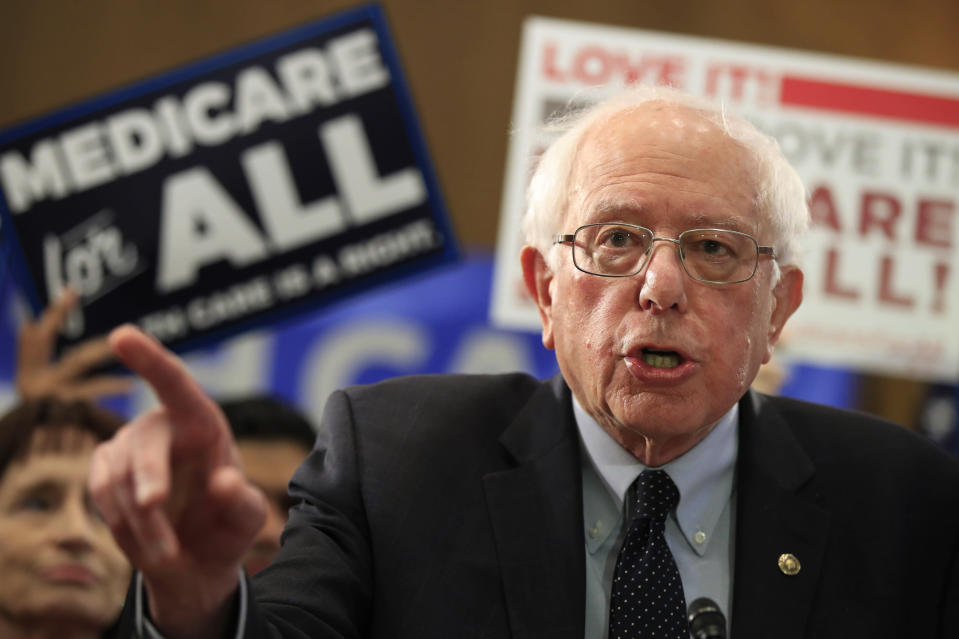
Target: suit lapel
[
  {"x": 777, "y": 514},
  {"x": 537, "y": 516},
  {"x": 536, "y": 513}
]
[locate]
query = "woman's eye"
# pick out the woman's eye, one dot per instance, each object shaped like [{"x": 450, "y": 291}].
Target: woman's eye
[{"x": 35, "y": 503}]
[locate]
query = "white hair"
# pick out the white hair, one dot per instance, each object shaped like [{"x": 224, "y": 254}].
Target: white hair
[{"x": 780, "y": 194}]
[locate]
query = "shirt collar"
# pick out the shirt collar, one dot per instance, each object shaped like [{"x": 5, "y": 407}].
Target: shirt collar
[{"x": 704, "y": 474}]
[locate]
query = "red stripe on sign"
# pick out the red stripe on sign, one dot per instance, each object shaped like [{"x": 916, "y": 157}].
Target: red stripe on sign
[{"x": 847, "y": 98}]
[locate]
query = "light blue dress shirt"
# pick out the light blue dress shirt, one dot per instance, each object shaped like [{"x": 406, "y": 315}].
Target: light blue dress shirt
[{"x": 699, "y": 533}]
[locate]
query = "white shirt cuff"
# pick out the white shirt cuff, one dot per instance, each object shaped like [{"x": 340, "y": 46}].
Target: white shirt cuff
[{"x": 146, "y": 630}]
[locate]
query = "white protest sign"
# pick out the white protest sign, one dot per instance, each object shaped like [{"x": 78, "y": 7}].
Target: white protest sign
[{"x": 876, "y": 144}]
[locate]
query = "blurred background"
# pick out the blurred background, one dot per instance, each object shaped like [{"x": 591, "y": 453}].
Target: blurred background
[{"x": 460, "y": 60}]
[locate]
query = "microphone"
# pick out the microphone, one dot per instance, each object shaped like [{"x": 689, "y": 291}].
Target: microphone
[{"x": 706, "y": 620}]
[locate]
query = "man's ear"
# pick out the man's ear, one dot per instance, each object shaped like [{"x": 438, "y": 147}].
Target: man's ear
[
  {"x": 787, "y": 296},
  {"x": 537, "y": 277}
]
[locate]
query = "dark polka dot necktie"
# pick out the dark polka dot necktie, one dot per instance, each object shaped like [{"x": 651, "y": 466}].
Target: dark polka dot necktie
[{"x": 647, "y": 600}]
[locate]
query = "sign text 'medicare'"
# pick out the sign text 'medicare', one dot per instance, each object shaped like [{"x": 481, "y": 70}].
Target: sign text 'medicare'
[
  {"x": 220, "y": 194},
  {"x": 209, "y": 114}
]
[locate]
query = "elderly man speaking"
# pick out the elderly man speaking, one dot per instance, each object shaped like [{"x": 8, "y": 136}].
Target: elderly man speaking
[{"x": 662, "y": 240}]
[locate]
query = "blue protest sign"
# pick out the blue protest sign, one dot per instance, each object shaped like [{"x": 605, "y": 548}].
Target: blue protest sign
[{"x": 263, "y": 181}]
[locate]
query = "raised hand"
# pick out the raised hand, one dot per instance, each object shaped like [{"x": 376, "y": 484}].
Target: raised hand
[
  {"x": 39, "y": 374},
  {"x": 171, "y": 489}
]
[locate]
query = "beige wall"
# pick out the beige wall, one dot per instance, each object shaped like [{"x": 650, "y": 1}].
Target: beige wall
[{"x": 460, "y": 57}]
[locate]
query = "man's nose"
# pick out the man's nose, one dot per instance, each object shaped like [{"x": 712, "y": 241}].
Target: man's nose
[{"x": 663, "y": 279}]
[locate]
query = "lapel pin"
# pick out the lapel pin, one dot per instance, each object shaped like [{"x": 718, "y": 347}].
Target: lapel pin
[{"x": 789, "y": 564}]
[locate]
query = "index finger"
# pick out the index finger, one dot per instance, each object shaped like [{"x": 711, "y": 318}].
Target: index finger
[{"x": 181, "y": 395}]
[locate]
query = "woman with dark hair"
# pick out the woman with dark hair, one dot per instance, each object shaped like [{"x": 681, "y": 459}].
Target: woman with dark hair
[{"x": 61, "y": 574}]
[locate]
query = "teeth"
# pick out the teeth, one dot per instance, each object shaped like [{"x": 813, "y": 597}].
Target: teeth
[{"x": 661, "y": 360}]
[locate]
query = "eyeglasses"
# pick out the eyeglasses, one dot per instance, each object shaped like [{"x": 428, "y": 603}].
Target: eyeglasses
[{"x": 713, "y": 256}]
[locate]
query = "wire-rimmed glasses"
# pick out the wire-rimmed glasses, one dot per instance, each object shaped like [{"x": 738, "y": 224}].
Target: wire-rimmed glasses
[{"x": 617, "y": 249}]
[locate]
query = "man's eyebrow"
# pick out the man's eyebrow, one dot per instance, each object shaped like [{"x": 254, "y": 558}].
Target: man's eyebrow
[
  {"x": 610, "y": 208},
  {"x": 619, "y": 210},
  {"x": 731, "y": 222}
]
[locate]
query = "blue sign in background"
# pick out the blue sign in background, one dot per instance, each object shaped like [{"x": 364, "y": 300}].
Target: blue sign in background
[{"x": 262, "y": 182}]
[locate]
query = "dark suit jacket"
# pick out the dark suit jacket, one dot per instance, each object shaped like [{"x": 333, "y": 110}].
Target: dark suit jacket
[{"x": 451, "y": 507}]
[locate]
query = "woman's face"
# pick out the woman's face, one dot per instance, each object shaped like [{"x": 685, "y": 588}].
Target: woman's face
[{"x": 58, "y": 560}]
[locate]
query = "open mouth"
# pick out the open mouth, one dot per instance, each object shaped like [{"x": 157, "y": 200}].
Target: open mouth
[{"x": 661, "y": 359}]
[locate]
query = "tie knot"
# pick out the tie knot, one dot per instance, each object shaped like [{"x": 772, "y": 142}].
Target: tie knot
[{"x": 656, "y": 495}]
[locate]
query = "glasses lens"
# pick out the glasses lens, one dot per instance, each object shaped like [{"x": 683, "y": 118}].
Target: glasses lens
[
  {"x": 611, "y": 249},
  {"x": 718, "y": 256}
]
